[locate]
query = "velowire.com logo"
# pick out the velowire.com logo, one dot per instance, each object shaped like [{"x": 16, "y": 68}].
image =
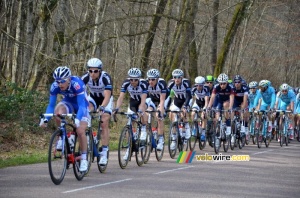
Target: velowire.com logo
[{"x": 187, "y": 157}]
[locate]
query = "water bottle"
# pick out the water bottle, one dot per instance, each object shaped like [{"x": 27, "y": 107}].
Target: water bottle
[
  {"x": 135, "y": 134},
  {"x": 71, "y": 139},
  {"x": 154, "y": 132},
  {"x": 95, "y": 137},
  {"x": 181, "y": 130}
]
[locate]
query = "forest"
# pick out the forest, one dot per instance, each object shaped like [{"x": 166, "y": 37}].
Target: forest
[{"x": 258, "y": 39}]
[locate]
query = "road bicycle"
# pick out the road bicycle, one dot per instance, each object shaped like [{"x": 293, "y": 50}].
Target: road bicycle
[
  {"x": 221, "y": 136},
  {"x": 154, "y": 136},
  {"x": 97, "y": 143},
  {"x": 130, "y": 142},
  {"x": 210, "y": 128},
  {"x": 283, "y": 132},
  {"x": 61, "y": 153},
  {"x": 197, "y": 131},
  {"x": 262, "y": 126},
  {"x": 236, "y": 137},
  {"x": 177, "y": 135}
]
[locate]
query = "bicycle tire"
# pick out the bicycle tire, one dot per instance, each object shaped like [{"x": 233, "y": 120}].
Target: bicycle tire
[
  {"x": 266, "y": 139},
  {"x": 233, "y": 135},
  {"x": 90, "y": 144},
  {"x": 57, "y": 160},
  {"x": 202, "y": 144},
  {"x": 252, "y": 131},
  {"x": 173, "y": 127},
  {"x": 101, "y": 168},
  {"x": 124, "y": 147},
  {"x": 76, "y": 163},
  {"x": 139, "y": 151},
  {"x": 258, "y": 138},
  {"x": 194, "y": 137},
  {"x": 159, "y": 153},
  {"x": 225, "y": 142},
  {"x": 242, "y": 140},
  {"x": 148, "y": 145},
  {"x": 217, "y": 140}
]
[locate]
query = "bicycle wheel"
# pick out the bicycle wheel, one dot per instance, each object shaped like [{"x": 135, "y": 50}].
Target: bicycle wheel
[
  {"x": 233, "y": 136},
  {"x": 173, "y": 142},
  {"x": 140, "y": 150},
  {"x": 241, "y": 139},
  {"x": 101, "y": 168},
  {"x": 159, "y": 153},
  {"x": 195, "y": 136},
  {"x": 148, "y": 145},
  {"x": 57, "y": 160},
  {"x": 217, "y": 140},
  {"x": 226, "y": 141},
  {"x": 258, "y": 138},
  {"x": 90, "y": 144},
  {"x": 266, "y": 138},
  {"x": 202, "y": 144},
  {"x": 124, "y": 148},
  {"x": 210, "y": 133},
  {"x": 76, "y": 153}
]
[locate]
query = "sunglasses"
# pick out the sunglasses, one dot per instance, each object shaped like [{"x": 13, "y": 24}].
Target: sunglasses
[
  {"x": 253, "y": 88},
  {"x": 151, "y": 79},
  {"x": 133, "y": 80},
  {"x": 94, "y": 71},
  {"x": 223, "y": 83},
  {"x": 199, "y": 85},
  {"x": 237, "y": 82},
  {"x": 283, "y": 90},
  {"x": 60, "y": 81},
  {"x": 176, "y": 77},
  {"x": 209, "y": 82}
]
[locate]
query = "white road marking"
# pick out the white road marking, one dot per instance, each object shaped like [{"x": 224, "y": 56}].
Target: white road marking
[
  {"x": 173, "y": 170},
  {"x": 88, "y": 187},
  {"x": 262, "y": 152}
]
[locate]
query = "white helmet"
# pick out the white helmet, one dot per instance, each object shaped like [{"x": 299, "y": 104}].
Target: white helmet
[
  {"x": 134, "y": 73},
  {"x": 94, "y": 62},
  {"x": 200, "y": 80},
  {"x": 284, "y": 86},
  {"x": 222, "y": 78},
  {"x": 153, "y": 73},
  {"x": 177, "y": 73},
  {"x": 61, "y": 72},
  {"x": 253, "y": 84},
  {"x": 264, "y": 83}
]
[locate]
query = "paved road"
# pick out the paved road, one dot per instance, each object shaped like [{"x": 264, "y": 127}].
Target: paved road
[{"x": 271, "y": 172}]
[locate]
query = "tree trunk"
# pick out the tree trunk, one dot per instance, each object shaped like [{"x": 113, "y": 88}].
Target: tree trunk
[{"x": 214, "y": 36}]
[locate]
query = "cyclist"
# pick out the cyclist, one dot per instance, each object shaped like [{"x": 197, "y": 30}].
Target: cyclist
[
  {"x": 74, "y": 100},
  {"x": 100, "y": 85},
  {"x": 252, "y": 94},
  {"x": 225, "y": 99},
  {"x": 157, "y": 93},
  {"x": 201, "y": 93},
  {"x": 285, "y": 99},
  {"x": 267, "y": 95},
  {"x": 297, "y": 112},
  {"x": 182, "y": 90},
  {"x": 241, "y": 102},
  {"x": 138, "y": 90}
]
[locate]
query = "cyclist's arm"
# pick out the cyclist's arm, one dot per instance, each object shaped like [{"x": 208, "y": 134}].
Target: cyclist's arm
[
  {"x": 162, "y": 102},
  {"x": 142, "y": 106},
  {"x": 120, "y": 100},
  {"x": 245, "y": 101},
  {"x": 256, "y": 100},
  {"x": 212, "y": 98},
  {"x": 188, "y": 97},
  {"x": 273, "y": 98},
  {"x": 231, "y": 100},
  {"x": 51, "y": 105},
  {"x": 107, "y": 89},
  {"x": 82, "y": 106}
]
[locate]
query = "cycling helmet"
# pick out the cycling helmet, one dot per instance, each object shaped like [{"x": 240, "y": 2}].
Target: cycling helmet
[
  {"x": 200, "y": 80},
  {"x": 264, "y": 83},
  {"x": 134, "y": 73},
  {"x": 237, "y": 78},
  {"x": 253, "y": 84},
  {"x": 94, "y": 62},
  {"x": 177, "y": 73},
  {"x": 284, "y": 86},
  {"x": 61, "y": 72},
  {"x": 153, "y": 73},
  {"x": 223, "y": 78},
  {"x": 209, "y": 78}
]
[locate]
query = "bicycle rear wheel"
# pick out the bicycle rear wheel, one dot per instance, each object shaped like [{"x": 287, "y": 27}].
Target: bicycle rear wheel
[
  {"x": 148, "y": 145},
  {"x": 124, "y": 148},
  {"x": 217, "y": 140},
  {"x": 57, "y": 160},
  {"x": 195, "y": 136},
  {"x": 173, "y": 142},
  {"x": 76, "y": 153},
  {"x": 159, "y": 153}
]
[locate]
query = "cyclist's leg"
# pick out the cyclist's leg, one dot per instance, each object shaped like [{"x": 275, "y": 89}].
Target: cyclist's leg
[
  {"x": 228, "y": 118},
  {"x": 175, "y": 106}
]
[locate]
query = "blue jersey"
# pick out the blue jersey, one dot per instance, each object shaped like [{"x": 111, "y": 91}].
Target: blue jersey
[
  {"x": 297, "y": 104},
  {"x": 75, "y": 95},
  {"x": 286, "y": 98},
  {"x": 251, "y": 98},
  {"x": 268, "y": 97}
]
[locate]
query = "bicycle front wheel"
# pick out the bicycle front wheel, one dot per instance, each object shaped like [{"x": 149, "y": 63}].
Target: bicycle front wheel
[
  {"x": 90, "y": 144},
  {"x": 173, "y": 140},
  {"x": 148, "y": 145},
  {"x": 124, "y": 149},
  {"x": 195, "y": 136},
  {"x": 159, "y": 153},
  {"x": 57, "y": 159},
  {"x": 77, "y": 158},
  {"x": 217, "y": 140}
]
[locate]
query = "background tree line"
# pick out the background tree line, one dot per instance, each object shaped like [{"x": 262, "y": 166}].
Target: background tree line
[{"x": 258, "y": 39}]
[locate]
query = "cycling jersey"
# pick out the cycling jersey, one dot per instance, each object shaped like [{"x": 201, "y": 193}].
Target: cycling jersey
[
  {"x": 135, "y": 92},
  {"x": 285, "y": 100},
  {"x": 159, "y": 88},
  {"x": 268, "y": 98},
  {"x": 239, "y": 95},
  {"x": 200, "y": 95},
  {"x": 251, "y": 98},
  {"x": 75, "y": 98},
  {"x": 182, "y": 92},
  {"x": 97, "y": 87},
  {"x": 223, "y": 93},
  {"x": 297, "y": 104}
]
